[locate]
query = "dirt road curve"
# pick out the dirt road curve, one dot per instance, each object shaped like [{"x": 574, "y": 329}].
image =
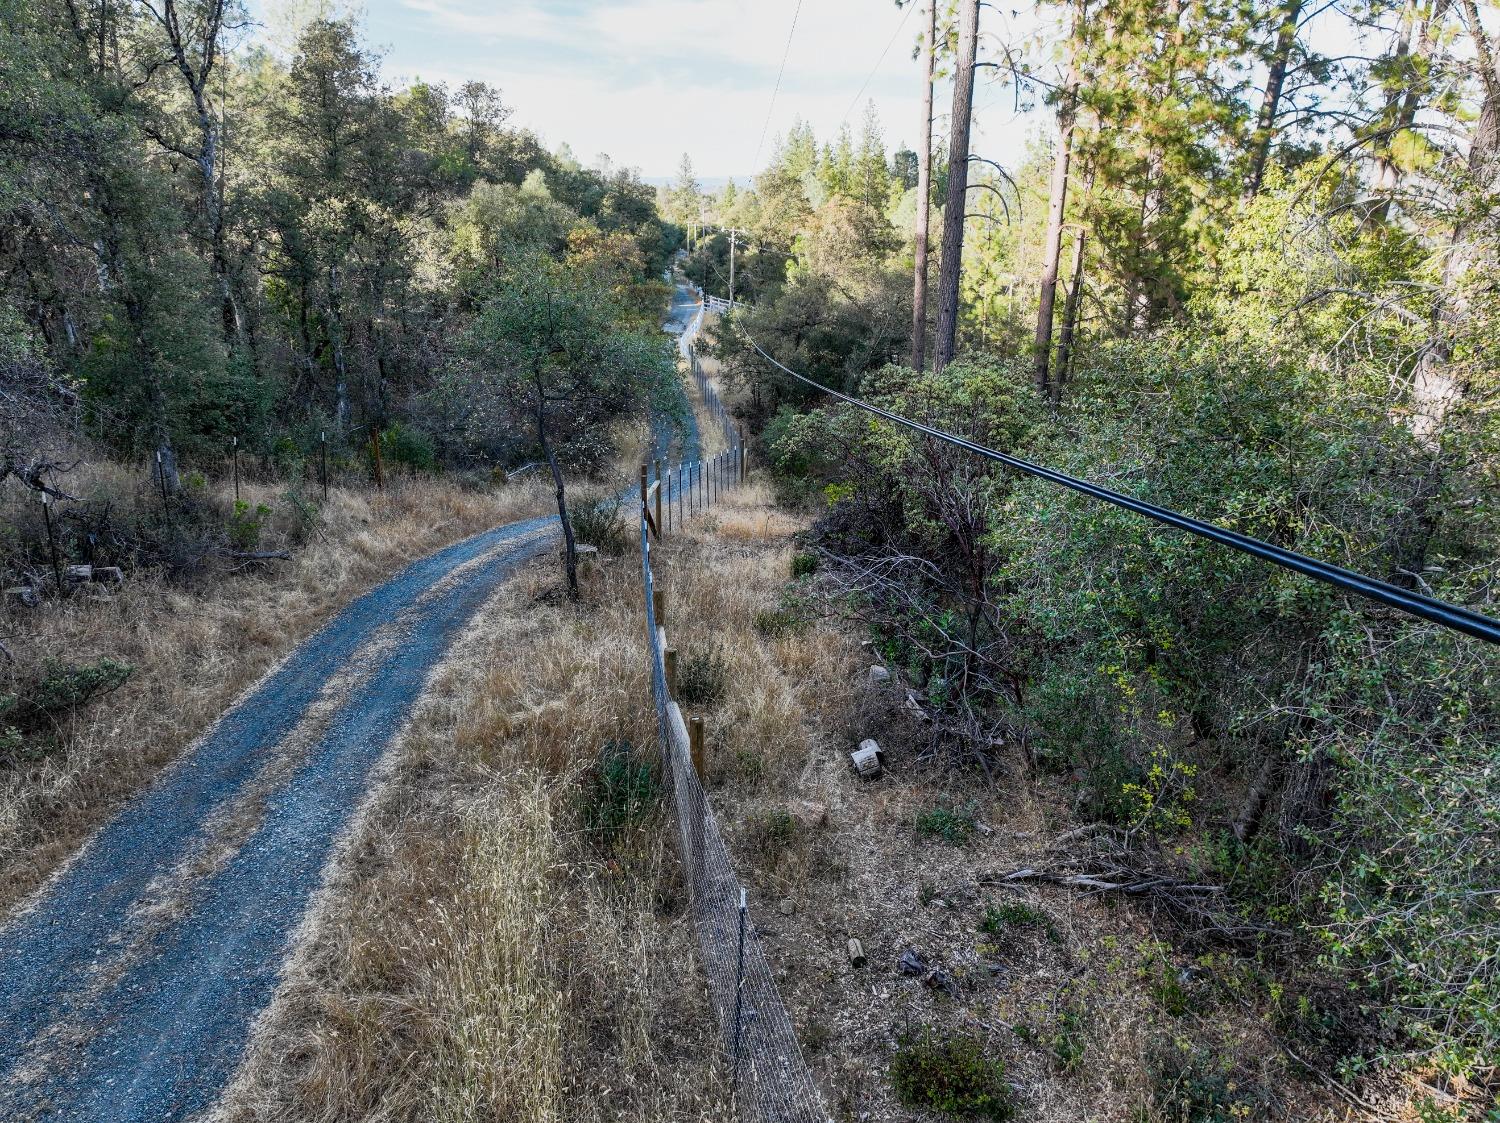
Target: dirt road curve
[{"x": 127, "y": 986}]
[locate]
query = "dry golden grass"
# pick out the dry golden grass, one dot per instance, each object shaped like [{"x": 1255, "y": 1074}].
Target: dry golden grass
[
  {"x": 196, "y": 646},
  {"x": 478, "y": 954}
]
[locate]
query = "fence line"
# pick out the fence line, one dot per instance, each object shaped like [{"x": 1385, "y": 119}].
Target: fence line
[{"x": 770, "y": 1079}]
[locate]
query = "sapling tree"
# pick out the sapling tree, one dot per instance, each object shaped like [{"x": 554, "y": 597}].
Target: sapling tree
[{"x": 546, "y": 352}]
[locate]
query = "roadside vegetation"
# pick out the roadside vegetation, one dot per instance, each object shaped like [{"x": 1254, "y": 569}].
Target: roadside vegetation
[
  {"x": 1281, "y": 331},
  {"x": 269, "y": 328}
]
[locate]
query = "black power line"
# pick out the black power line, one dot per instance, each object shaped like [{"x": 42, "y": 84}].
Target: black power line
[{"x": 1415, "y": 604}]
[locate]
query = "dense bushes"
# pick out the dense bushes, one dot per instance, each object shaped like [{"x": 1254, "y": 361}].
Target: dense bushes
[{"x": 1190, "y": 687}]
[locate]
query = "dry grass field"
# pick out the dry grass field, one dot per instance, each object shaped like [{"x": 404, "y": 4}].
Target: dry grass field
[{"x": 195, "y": 644}]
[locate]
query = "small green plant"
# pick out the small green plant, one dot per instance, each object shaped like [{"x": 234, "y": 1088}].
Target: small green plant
[
  {"x": 597, "y": 522},
  {"x": 1068, "y": 1039},
  {"x": 790, "y": 616},
  {"x": 771, "y": 833},
  {"x": 952, "y": 1075},
  {"x": 804, "y": 564},
  {"x": 750, "y": 765},
  {"x": 1014, "y": 914},
  {"x": 246, "y": 523},
  {"x": 816, "y": 1036},
  {"x": 955, "y": 826},
  {"x": 1168, "y": 988},
  {"x": 12, "y": 744},
  {"x": 774, "y": 623},
  {"x": 702, "y": 677},
  {"x": 1430, "y": 1111},
  {"x": 1190, "y": 1084},
  {"x": 622, "y": 793},
  {"x": 926, "y": 893}
]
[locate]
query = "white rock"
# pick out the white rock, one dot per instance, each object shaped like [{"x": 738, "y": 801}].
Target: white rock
[{"x": 866, "y": 759}]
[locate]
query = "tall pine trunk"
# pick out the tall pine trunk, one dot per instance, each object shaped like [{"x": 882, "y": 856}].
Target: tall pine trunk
[
  {"x": 1270, "y": 104},
  {"x": 958, "y": 184},
  {"x": 924, "y": 197},
  {"x": 1057, "y": 207},
  {"x": 1071, "y": 308},
  {"x": 1402, "y": 106}
]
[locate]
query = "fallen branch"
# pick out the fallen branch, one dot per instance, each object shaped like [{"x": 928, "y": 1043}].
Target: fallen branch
[
  {"x": 1101, "y": 885},
  {"x": 257, "y": 555},
  {"x": 1197, "y": 906}
]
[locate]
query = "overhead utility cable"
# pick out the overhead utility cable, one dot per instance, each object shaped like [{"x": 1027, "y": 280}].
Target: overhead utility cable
[{"x": 1436, "y": 611}]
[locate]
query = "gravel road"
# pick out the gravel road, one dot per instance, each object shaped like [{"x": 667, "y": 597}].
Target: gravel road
[{"x": 129, "y": 982}]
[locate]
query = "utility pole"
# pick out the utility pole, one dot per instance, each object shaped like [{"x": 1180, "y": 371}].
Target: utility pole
[
  {"x": 958, "y": 184},
  {"x": 733, "y": 242},
  {"x": 924, "y": 196}
]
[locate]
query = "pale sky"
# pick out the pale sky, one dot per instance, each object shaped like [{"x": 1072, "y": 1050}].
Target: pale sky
[{"x": 645, "y": 80}]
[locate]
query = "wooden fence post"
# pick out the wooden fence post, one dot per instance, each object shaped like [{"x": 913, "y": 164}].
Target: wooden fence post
[
  {"x": 669, "y": 657},
  {"x": 659, "y": 607},
  {"x": 695, "y": 746},
  {"x": 742, "y": 454}
]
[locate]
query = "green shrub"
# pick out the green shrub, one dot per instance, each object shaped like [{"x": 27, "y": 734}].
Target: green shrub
[
  {"x": 1014, "y": 914},
  {"x": 955, "y": 826},
  {"x": 38, "y": 702},
  {"x": 1068, "y": 1039},
  {"x": 1190, "y": 1084},
  {"x": 246, "y": 523},
  {"x": 403, "y": 445},
  {"x": 804, "y": 564},
  {"x": 791, "y": 616},
  {"x": 63, "y": 687},
  {"x": 597, "y": 522},
  {"x": 952, "y": 1076},
  {"x": 702, "y": 677},
  {"x": 622, "y": 793},
  {"x": 12, "y": 744}
]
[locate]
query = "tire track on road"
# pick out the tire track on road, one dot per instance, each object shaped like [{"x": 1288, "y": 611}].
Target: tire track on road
[{"x": 106, "y": 1017}]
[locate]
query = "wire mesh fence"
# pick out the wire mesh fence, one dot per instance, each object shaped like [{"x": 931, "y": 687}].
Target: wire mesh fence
[{"x": 771, "y": 1081}]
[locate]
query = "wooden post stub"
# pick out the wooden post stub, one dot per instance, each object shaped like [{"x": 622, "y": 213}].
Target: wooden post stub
[
  {"x": 659, "y": 607},
  {"x": 856, "y": 953},
  {"x": 695, "y": 745},
  {"x": 669, "y": 657}
]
